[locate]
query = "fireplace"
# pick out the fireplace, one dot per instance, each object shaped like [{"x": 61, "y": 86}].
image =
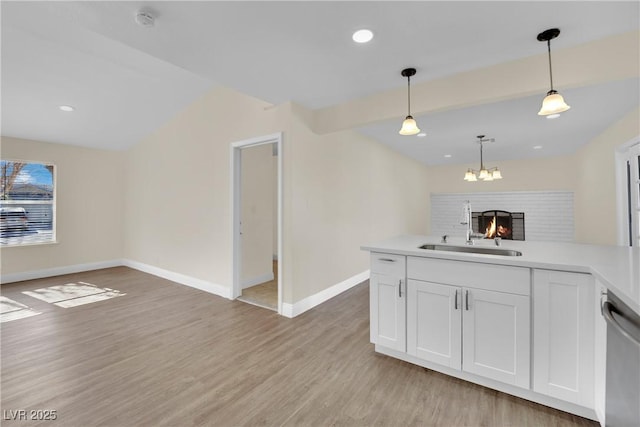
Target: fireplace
[{"x": 497, "y": 223}]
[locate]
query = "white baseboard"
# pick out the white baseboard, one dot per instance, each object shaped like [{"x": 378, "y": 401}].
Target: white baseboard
[
  {"x": 257, "y": 280},
  {"x": 297, "y": 308},
  {"x": 182, "y": 279},
  {"x": 58, "y": 271},
  {"x": 203, "y": 285},
  {"x": 288, "y": 310}
]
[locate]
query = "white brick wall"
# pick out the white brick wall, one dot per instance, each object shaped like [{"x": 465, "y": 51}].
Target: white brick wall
[{"x": 548, "y": 215}]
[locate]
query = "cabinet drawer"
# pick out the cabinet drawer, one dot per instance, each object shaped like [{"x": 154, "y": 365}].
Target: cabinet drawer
[
  {"x": 388, "y": 264},
  {"x": 513, "y": 280}
]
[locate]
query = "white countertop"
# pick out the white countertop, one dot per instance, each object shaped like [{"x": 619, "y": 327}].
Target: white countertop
[{"x": 616, "y": 267}]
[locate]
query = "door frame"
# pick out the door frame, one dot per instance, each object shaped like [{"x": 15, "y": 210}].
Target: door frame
[
  {"x": 622, "y": 153},
  {"x": 236, "y": 169}
]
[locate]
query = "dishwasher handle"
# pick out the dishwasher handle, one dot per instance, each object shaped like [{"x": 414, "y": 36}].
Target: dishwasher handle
[{"x": 607, "y": 311}]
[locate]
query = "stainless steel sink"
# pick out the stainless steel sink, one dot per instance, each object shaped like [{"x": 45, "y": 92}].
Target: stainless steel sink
[{"x": 472, "y": 250}]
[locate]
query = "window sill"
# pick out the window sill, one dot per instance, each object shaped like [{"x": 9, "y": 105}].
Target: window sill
[{"x": 28, "y": 244}]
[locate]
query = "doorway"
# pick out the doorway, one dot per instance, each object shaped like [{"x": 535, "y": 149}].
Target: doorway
[
  {"x": 628, "y": 193},
  {"x": 256, "y": 170}
]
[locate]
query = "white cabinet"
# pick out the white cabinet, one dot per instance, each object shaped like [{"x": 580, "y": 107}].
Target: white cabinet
[
  {"x": 563, "y": 335},
  {"x": 496, "y": 336},
  {"x": 534, "y": 333},
  {"x": 600, "y": 355},
  {"x": 387, "y": 293},
  {"x": 434, "y": 323},
  {"x": 479, "y": 331}
]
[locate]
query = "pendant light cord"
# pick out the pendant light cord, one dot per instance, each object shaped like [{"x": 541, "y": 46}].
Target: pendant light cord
[
  {"x": 409, "y": 94},
  {"x": 550, "y": 71},
  {"x": 481, "y": 162}
]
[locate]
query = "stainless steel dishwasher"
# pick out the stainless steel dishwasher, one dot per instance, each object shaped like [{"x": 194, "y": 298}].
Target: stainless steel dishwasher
[{"x": 622, "y": 401}]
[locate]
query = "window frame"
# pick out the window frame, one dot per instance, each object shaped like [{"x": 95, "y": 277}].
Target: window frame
[{"x": 54, "y": 203}]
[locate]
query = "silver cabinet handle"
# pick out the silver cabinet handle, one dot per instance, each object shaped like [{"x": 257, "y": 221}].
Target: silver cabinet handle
[
  {"x": 607, "y": 311},
  {"x": 466, "y": 300},
  {"x": 455, "y": 301},
  {"x": 400, "y": 288},
  {"x": 386, "y": 259}
]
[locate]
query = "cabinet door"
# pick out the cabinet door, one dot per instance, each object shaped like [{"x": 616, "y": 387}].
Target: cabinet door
[
  {"x": 434, "y": 322},
  {"x": 600, "y": 356},
  {"x": 496, "y": 335},
  {"x": 388, "y": 311},
  {"x": 563, "y": 337}
]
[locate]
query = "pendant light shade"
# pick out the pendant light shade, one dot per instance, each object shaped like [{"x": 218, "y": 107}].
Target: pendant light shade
[
  {"x": 553, "y": 103},
  {"x": 409, "y": 126},
  {"x": 485, "y": 174}
]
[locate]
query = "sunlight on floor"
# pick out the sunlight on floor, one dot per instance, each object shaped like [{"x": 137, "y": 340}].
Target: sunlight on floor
[
  {"x": 73, "y": 294},
  {"x": 13, "y": 310}
]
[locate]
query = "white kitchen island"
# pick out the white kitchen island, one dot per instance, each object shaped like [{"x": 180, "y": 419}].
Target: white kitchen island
[{"x": 527, "y": 325}]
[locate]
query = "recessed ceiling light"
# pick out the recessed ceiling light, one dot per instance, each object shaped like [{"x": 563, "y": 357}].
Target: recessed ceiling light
[
  {"x": 362, "y": 36},
  {"x": 537, "y": 147},
  {"x": 66, "y": 108},
  {"x": 447, "y": 155},
  {"x": 421, "y": 135},
  {"x": 552, "y": 116}
]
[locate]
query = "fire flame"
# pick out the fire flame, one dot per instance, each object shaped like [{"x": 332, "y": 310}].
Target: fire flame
[{"x": 490, "y": 232}]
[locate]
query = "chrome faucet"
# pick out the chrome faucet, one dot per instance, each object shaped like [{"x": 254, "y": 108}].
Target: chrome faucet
[{"x": 466, "y": 220}]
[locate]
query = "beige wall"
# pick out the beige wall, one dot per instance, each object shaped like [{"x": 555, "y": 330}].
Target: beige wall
[
  {"x": 346, "y": 190},
  {"x": 177, "y": 200},
  {"x": 547, "y": 173},
  {"x": 88, "y": 206},
  {"x": 257, "y": 207},
  {"x": 340, "y": 191},
  {"x": 596, "y": 192}
]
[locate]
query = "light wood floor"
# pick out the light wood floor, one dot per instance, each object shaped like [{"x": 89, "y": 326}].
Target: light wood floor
[
  {"x": 169, "y": 355},
  {"x": 264, "y": 294}
]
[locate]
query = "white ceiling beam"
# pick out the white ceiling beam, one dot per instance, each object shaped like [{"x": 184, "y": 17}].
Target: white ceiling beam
[{"x": 600, "y": 61}]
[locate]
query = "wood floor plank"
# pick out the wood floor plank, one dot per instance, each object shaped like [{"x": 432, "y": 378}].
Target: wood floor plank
[{"x": 170, "y": 355}]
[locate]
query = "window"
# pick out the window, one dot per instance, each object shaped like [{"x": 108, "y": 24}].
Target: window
[
  {"x": 27, "y": 203},
  {"x": 631, "y": 173}
]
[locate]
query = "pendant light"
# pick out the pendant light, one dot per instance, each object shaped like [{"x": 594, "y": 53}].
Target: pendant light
[
  {"x": 484, "y": 174},
  {"x": 553, "y": 103},
  {"x": 409, "y": 126}
]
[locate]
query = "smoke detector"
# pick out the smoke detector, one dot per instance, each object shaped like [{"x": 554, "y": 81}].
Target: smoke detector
[{"x": 145, "y": 19}]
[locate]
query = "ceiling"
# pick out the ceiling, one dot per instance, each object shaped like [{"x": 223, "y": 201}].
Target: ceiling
[{"x": 125, "y": 80}]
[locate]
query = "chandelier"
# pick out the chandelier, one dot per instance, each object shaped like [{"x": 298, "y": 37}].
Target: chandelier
[{"x": 485, "y": 174}]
